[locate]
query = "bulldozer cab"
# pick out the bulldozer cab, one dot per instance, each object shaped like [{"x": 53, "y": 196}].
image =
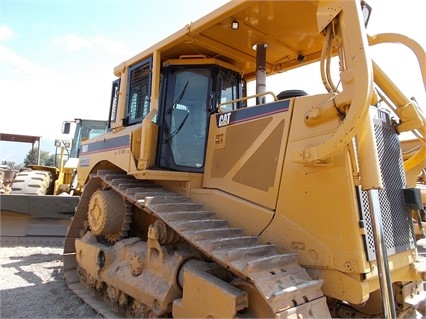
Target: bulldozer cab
[{"x": 191, "y": 95}]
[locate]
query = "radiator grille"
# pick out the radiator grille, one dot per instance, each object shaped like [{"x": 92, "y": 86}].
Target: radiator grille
[{"x": 397, "y": 226}]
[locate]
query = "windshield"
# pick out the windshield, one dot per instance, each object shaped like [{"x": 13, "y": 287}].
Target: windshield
[{"x": 86, "y": 129}]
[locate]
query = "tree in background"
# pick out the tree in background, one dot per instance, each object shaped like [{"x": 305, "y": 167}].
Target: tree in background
[{"x": 46, "y": 159}]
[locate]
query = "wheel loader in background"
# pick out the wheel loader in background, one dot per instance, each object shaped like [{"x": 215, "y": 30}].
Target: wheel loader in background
[
  {"x": 196, "y": 204},
  {"x": 27, "y": 217},
  {"x": 83, "y": 129}
]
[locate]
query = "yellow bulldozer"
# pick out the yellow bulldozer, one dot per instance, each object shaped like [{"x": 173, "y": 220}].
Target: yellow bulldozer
[{"x": 205, "y": 201}]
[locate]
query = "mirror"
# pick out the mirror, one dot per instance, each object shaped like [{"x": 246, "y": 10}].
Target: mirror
[
  {"x": 66, "y": 126},
  {"x": 366, "y": 12}
]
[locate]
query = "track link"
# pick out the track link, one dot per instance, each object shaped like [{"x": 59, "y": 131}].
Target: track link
[{"x": 278, "y": 277}]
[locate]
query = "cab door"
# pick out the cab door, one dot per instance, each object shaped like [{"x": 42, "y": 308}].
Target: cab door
[{"x": 184, "y": 114}]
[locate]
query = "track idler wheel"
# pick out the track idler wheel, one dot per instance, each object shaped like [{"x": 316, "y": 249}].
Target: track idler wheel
[{"x": 107, "y": 215}]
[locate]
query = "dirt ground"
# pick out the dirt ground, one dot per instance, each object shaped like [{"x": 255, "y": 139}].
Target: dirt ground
[{"x": 32, "y": 285}]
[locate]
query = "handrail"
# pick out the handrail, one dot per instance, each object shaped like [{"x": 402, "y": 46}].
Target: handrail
[
  {"x": 406, "y": 109},
  {"x": 408, "y": 42},
  {"x": 246, "y": 98}
]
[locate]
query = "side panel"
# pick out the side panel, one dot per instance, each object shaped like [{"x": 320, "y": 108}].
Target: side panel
[
  {"x": 246, "y": 152},
  {"x": 317, "y": 213},
  {"x": 114, "y": 148}
]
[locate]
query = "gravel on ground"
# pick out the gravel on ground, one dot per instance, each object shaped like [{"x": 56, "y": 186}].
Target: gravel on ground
[{"x": 32, "y": 285}]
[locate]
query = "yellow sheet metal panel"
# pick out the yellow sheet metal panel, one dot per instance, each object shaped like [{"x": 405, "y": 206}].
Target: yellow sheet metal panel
[
  {"x": 245, "y": 153},
  {"x": 310, "y": 218}
]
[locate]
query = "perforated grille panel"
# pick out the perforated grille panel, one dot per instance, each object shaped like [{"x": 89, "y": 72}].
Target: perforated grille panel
[
  {"x": 139, "y": 91},
  {"x": 397, "y": 225}
]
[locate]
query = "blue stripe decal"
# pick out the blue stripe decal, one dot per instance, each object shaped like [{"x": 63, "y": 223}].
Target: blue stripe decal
[
  {"x": 251, "y": 113},
  {"x": 106, "y": 145}
]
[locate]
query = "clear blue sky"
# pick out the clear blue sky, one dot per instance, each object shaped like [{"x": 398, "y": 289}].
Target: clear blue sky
[{"x": 57, "y": 56}]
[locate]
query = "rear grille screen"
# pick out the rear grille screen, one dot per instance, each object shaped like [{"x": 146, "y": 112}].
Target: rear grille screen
[{"x": 397, "y": 225}]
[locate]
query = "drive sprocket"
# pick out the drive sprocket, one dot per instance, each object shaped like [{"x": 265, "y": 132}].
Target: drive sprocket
[{"x": 108, "y": 215}]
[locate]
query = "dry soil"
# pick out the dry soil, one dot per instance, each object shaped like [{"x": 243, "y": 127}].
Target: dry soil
[{"x": 32, "y": 285}]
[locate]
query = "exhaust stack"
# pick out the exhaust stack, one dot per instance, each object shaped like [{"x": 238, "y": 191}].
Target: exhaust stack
[{"x": 260, "y": 71}]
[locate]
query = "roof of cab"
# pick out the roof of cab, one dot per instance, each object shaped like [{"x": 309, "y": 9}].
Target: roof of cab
[{"x": 289, "y": 28}]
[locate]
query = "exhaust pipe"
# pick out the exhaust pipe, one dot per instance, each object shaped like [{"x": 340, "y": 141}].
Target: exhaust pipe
[{"x": 260, "y": 72}]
